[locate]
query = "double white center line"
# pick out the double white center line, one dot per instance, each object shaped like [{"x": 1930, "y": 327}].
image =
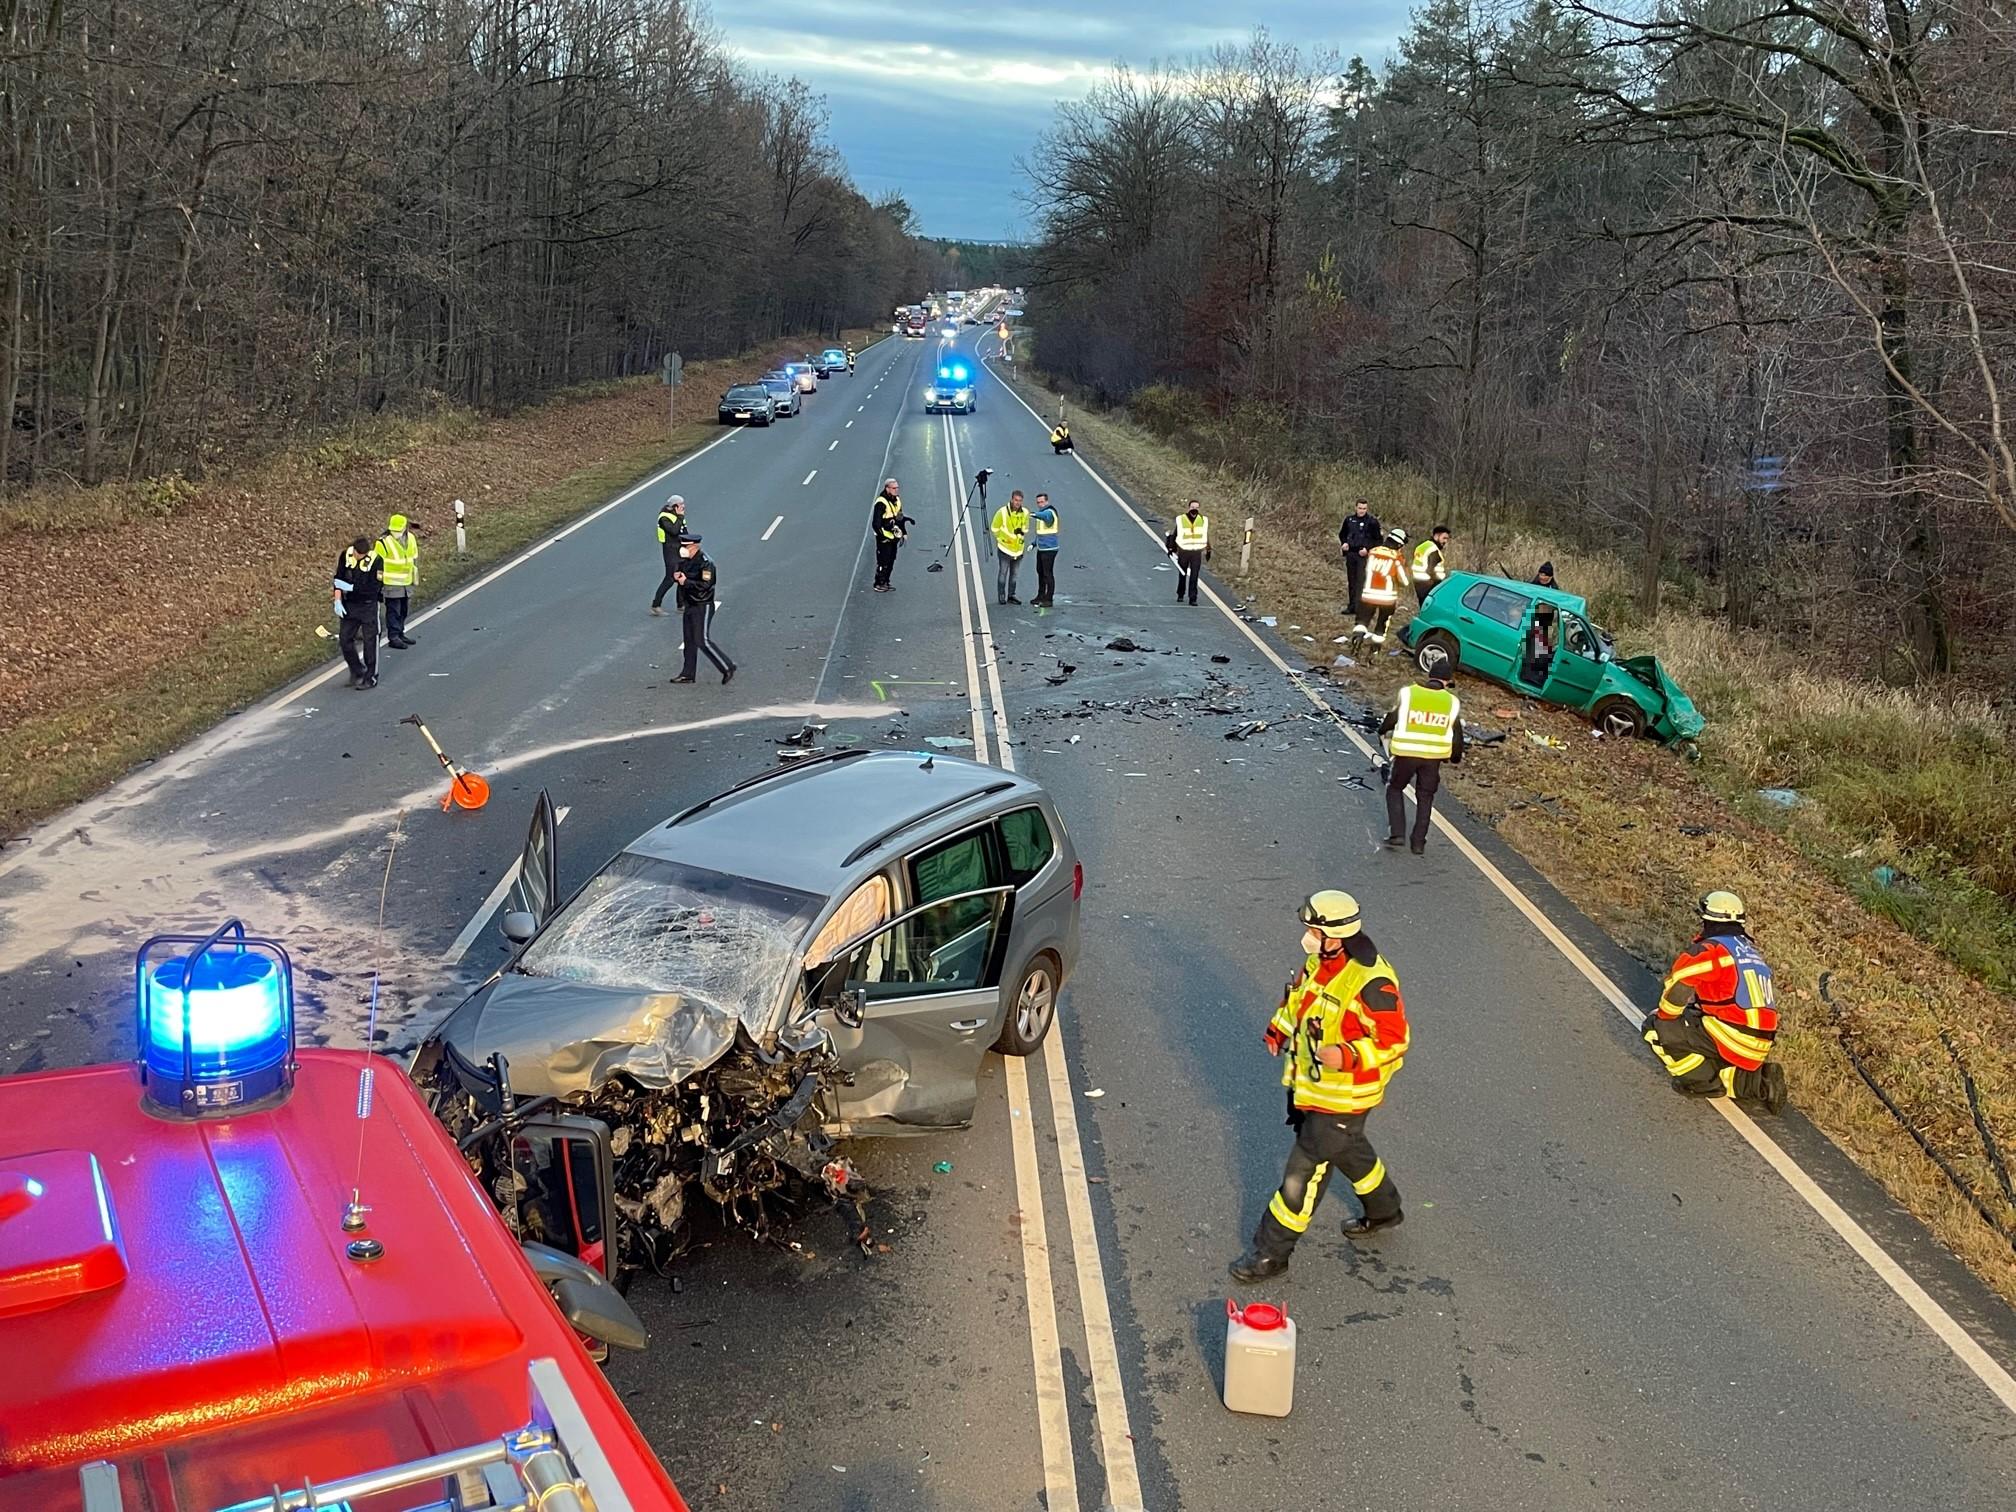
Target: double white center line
[{"x": 1116, "y": 1439}]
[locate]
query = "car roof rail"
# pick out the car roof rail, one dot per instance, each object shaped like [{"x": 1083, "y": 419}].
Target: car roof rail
[
  {"x": 868, "y": 847},
  {"x": 829, "y": 758}
]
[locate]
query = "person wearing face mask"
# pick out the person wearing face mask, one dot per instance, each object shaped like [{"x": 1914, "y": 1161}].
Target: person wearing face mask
[{"x": 1344, "y": 1027}]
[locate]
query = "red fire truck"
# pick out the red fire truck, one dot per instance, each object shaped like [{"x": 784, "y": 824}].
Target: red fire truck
[{"x": 238, "y": 1278}]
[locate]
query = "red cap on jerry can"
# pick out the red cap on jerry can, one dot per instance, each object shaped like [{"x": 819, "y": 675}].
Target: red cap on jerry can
[{"x": 1260, "y": 1315}]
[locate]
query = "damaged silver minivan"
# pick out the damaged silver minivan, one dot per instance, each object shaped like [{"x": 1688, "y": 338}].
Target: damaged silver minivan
[{"x": 824, "y": 950}]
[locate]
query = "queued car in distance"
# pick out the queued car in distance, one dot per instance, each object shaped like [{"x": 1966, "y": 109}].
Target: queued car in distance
[
  {"x": 951, "y": 392},
  {"x": 784, "y": 389},
  {"x": 804, "y": 375},
  {"x": 833, "y": 360},
  {"x": 748, "y": 404},
  {"x": 825, "y": 950},
  {"x": 1542, "y": 642}
]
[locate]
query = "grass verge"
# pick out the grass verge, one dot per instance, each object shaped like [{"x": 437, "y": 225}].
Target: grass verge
[
  {"x": 116, "y": 678},
  {"x": 1888, "y": 886}
]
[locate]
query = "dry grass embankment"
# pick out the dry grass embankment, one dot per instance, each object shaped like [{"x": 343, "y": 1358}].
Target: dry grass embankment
[
  {"x": 137, "y": 615},
  {"x": 1633, "y": 834}
]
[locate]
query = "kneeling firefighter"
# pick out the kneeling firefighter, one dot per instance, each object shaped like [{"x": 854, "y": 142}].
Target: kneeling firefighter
[
  {"x": 1345, "y": 1027},
  {"x": 1718, "y": 1013}
]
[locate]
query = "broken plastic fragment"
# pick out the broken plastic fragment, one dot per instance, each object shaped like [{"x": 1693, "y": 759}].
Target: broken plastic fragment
[
  {"x": 943, "y": 1168},
  {"x": 947, "y": 742}
]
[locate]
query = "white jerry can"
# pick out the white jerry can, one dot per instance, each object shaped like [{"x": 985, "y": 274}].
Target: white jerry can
[{"x": 1259, "y": 1359}]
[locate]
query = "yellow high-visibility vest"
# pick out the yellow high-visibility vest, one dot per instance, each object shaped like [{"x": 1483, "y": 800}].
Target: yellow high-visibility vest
[
  {"x": 1426, "y": 727},
  {"x": 667, "y": 520},
  {"x": 1429, "y": 562},
  {"x": 1011, "y": 530},
  {"x": 1192, "y": 535},
  {"x": 1334, "y": 1019},
  {"x": 402, "y": 558}
]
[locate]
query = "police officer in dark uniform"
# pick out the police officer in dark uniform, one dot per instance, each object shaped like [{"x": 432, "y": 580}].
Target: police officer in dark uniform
[
  {"x": 358, "y": 585},
  {"x": 890, "y": 527},
  {"x": 696, "y": 580}
]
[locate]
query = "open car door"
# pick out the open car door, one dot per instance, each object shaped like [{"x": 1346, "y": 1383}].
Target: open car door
[
  {"x": 535, "y": 891},
  {"x": 927, "y": 987},
  {"x": 1577, "y": 667}
]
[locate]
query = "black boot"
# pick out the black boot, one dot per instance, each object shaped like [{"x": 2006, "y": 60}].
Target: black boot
[
  {"x": 1765, "y": 1087},
  {"x": 1394, "y": 842},
  {"x": 1254, "y": 1266},
  {"x": 1361, "y": 1226}
]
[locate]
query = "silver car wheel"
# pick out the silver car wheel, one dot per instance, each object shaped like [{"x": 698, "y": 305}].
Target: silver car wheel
[{"x": 1036, "y": 1004}]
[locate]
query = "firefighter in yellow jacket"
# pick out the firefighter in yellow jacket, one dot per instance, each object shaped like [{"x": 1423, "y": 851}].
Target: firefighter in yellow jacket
[{"x": 1345, "y": 1028}]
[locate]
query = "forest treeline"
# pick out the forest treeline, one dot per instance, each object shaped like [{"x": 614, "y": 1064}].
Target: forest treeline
[
  {"x": 1725, "y": 285},
  {"x": 227, "y": 221}
]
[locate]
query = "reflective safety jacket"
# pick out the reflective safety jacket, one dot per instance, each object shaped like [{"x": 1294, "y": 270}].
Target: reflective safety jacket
[
  {"x": 1192, "y": 535},
  {"x": 1731, "y": 984},
  {"x": 1339, "y": 1002},
  {"x": 1060, "y": 433},
  {"x": 888, "y": 521},
  {"x": 1430, "y": 567},
  {"x": 670, "y": 526},
  {"x": 1426, "y": 721},
  {"x": 1011, "y": 529},
  {"x": 1047, "y": 522},
  {"x": 1385, "y": 575},
  {"x": 400, "y": 552}
]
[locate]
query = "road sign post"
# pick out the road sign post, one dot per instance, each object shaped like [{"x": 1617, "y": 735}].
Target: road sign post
[
  {"x": 674, "y": 370},
  {"x": 1246, "y": 548}
]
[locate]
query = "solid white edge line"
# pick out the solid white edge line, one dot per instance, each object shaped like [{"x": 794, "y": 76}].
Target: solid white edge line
[
  {"x": 773, "y": 528},
  {"x": 1964, "y": 1346},
  {"x": 1109, "y": 1393},
  {"x": 459, "y": 947},
  {"x": 62, "y": 824}
]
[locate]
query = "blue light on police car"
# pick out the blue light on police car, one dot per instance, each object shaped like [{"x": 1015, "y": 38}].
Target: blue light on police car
[{"x": 216, "y": 1021}]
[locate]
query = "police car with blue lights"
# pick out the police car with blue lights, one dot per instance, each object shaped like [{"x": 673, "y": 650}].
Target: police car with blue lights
[{"x": 952, "y": 392}]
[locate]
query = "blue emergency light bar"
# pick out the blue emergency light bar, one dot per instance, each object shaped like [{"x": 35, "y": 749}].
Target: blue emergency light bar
[
  {"x": 216, "y": 1025},
  {"x": 953, "y": 373}
]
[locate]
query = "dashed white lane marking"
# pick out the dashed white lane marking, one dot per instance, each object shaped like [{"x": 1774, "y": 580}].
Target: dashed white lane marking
[
  {"x": 773, "y": 528},
  {"x": 850, "y": 425},
  {"x": 833, "y": 443},
  {"x": 459, "y": 946},
  {"x": 1963, "y": 1345},
  {"x": 810, "y": 476}
]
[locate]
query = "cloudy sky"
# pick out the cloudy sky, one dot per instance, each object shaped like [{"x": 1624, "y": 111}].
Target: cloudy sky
[{"x": 940, "y": 102}]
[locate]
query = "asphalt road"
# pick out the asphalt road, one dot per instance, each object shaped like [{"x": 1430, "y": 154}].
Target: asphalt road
[{"x": 1602, "y": 1296}]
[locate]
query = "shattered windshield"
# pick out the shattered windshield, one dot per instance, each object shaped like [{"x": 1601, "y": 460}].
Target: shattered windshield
[{"x": 657, "y": 926}]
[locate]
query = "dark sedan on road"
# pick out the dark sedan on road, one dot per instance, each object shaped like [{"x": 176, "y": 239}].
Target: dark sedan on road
[
  {"x": 784, "y": 390},
  {"x": 748, "y": 404}
]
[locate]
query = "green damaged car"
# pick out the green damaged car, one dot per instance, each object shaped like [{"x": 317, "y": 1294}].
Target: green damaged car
[{"x": 1541, "y": 641}]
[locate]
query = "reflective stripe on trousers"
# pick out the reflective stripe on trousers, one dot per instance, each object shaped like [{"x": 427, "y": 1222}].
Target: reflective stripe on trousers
[{"x": 1324, "y": 1142}]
